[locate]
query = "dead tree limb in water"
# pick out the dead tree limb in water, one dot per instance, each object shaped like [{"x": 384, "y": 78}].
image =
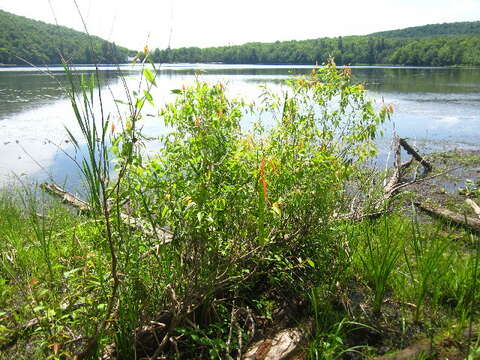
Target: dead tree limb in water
[
  {"x": 459, "y": 219},
  {"x": 399, "y": 168},
  {"x": 395, "y": 184},
  {"x": 390, "y": 189},
  {"x": 416, "y": 155}
]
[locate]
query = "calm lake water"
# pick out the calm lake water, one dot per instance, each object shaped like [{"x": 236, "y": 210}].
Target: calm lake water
[{"x": 437, "y": 108}]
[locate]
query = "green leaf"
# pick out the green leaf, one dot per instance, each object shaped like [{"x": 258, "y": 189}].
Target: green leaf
[
  {"x": 67, "y": 274},
  {"x": 148, "y": 96},
  {"x": 276, "y": 209},
  {"x": 311, "y": 263},
  {"x": 176, "y": 91},
  {"x": 121, "y": 102},
  {"x": 139, "y": 103},
  {"x": 147, "y": 73},
  {"x": 164, "y": 211}
]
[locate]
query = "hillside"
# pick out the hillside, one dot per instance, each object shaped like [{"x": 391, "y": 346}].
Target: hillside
[
  {"x": 456, "y": 28},
  {"x": 40, "y": 43},
  {"x": 429, "y": 45}
]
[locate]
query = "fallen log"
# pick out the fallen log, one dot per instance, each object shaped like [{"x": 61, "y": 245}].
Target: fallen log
[
  {"x": 390, "y": 188},
  {"x": 416, "y": 155},
  {"x": 456, "y": 218},
  {"x": 163, "y": 235},
  {"x": 67, "y": 198},
  {"x": 399, "y": 168}
]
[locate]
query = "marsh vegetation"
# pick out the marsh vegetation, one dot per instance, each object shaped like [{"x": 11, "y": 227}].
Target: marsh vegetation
[{"x": 225, "y": 235}]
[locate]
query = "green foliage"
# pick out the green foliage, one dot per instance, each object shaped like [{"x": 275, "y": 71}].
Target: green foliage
[
  {"x": 242, "y": 202},
  {"x": 49, "y": 272},
  {"x": 455, "y": 28},
  {"x": 254, "y": 218},
  {"x": 379, "y": 251},
  {"x": 471, "y": 189},
  {"x": 426, "y": 267},
  {"x": 430, "y": 45},
  {"x": 40, "y": 43},
  {"x": 330, "y": 344}
]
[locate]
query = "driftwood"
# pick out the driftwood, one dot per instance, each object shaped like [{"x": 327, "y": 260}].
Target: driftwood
[
  {"x": 284, "y": 345},
  {"x": 67, "y": 198},
  {"x": 399, "y": 168},
  {"x": 392, "y": 186},
  {"x": 163, "y": 235},
  {"x": 416, "y": 155},
  {"x": 474, "y": 206},
  {"x": 459, "y": 219}
]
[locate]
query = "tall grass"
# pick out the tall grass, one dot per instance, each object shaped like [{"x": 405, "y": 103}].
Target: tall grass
[
  {"x": 426, "y": 267},
  {"x": 379, "y": 251}
]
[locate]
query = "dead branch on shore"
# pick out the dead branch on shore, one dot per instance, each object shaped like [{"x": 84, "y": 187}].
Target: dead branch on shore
[
  {"x": 394, "y": 183},
  {"x": 451, "y": 216},
  {"x": 67, "y": 198},
  {"x": 163, "y": 235}
]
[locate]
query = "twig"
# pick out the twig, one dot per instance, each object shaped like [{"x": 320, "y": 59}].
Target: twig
[
  {"x": 230, "y": 330},
  {"x": 401, "y": 186}
]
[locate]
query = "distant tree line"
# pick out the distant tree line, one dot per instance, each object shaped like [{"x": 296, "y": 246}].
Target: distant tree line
[
  {"x": 455, "y": 28},
  {"x": 40, "y": 43},
  {"x": 430, "y": 45}
]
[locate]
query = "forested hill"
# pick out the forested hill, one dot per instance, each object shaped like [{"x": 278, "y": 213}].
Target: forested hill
[
  {"x": 456, "y": 28},
  {"x": 41, "y": 43},
  {"x": 430, "y": 45}
]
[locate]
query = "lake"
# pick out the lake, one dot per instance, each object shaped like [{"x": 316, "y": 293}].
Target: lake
[{"x": 436, "y": 108}]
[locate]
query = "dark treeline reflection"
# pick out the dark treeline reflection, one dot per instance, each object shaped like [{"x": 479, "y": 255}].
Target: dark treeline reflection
[
  {"x": 444, "y": 80},
  {"x": 25, "y": 90}
]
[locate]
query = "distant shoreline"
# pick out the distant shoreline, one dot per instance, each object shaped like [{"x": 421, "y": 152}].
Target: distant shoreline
[{"x": 244, "y": 64}]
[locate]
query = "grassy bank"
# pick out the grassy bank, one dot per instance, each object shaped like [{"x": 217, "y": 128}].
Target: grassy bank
[
  {"x": 400, "y": 281},
  {"x": 225, "y": 237}
]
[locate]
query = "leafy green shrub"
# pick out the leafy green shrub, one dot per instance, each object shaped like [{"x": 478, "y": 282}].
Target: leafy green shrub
[
  {"x": 253, "y": 213},
  {"x": 254, "y": 205}
]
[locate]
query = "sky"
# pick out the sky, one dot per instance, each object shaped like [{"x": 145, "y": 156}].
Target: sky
[{"x": 178, "y": 23}]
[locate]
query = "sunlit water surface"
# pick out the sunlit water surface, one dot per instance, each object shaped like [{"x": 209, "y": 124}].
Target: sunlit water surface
[{"x": 437, "y": 108}]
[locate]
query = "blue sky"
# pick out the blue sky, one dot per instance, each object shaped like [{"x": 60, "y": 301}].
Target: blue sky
[{"x": 222, "y": 22}]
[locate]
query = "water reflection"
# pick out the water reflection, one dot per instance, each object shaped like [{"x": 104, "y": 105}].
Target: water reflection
[{"x": 435, "y": 107}]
